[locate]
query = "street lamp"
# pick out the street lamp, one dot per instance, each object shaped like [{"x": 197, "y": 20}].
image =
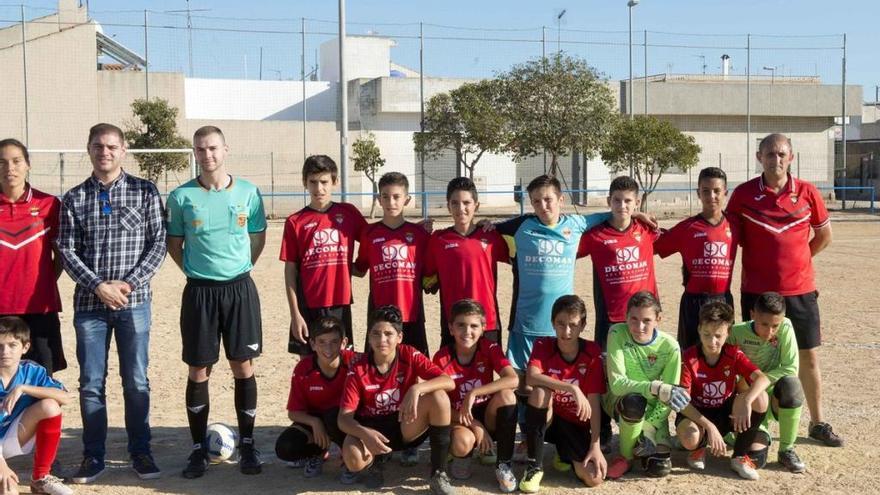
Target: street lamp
[
  {"x": 772, "y": 69},
  {"x": 559, "y": 31},
  {"x": 629, "y": 90}
]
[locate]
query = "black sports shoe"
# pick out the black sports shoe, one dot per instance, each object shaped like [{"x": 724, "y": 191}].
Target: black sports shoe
[
  {"x": 249, "y": 459},
  {"x": 145, "y": 467},
  {"x": 373, "y": 476},
  {"x": 823, "y": 433},
  {"x": 791, "y": 461},
  {"x": 197, "y": 464},
  {"x": 657, "y": 465},
  {"x": 89, "y": 470}
]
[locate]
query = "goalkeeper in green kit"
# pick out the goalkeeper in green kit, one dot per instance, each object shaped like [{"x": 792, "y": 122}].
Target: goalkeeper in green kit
[
  {"x": 768, "y": 340},
  {"x": 643, "y": 367}
]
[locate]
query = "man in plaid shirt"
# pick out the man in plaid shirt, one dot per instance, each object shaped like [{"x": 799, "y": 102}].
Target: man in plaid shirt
[{"x": 112, "y": 242}]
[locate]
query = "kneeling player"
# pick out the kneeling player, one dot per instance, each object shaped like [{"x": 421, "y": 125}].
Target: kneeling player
[
  {"x": 313, "y": 403},
  {"x": 769, "y": 341},
  {"x": 31, "y": 412},
  {"x": 385, "y": 407},
  {"x": 643, "y": 368},
  {"x": 482, "y": 409},
  {"x": 709, "y": 373},
  {"x": 567, "y": 380}
]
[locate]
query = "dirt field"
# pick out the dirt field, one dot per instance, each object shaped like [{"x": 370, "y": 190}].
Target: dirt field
[{"x": 847, "y": 276}]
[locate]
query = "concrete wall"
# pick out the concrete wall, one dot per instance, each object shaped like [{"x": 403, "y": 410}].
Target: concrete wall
[{"x": 236, "y": 99}]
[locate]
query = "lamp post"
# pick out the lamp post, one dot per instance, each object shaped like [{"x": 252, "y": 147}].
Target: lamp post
[
  {"x": 772, "y": 69},
  {"x": 559, "y": 31},
  {"x": 629, "y": 90}
]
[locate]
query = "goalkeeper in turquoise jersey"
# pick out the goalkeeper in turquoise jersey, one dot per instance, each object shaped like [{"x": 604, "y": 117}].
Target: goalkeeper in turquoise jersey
[
  {"x": 643, "y": 367},
  {"x": 769, "y": 341}
]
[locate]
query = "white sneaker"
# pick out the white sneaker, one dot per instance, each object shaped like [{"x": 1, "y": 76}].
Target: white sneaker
[
  {"x": 744, "y": 467},
  {"x": 697, "y": 459},
  {"x": 506, "y": 478},
  {"x": 50, "y": 485}
]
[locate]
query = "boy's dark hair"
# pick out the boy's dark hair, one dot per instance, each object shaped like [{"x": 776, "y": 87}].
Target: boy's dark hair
[
  {"x": 570, "y": 304},
  {"x": 544, "y": 181},
  {"x": 461, "y": 184},
  {"x": 319, "y": 164},
  {"x": 393, "y": 179},
  {"x": 644, "y": 299},
  {"x": 17, "y": 144},
  {"x": 207, "y": 130},
  {"x": 716, "y": 312},
  {"x": 15, "y": 326},
  {"x": 770, "y": 303},
  {"x": 712, "y": 173},
  {"x": 773, "y": 139},
  {"x": 326, "y": 324},
  {"x": 389, "y": 314},
  {"x": 466, "y": 307},
  {"x": 623, "y": 183},
  {"x": 103, "y": 128}
]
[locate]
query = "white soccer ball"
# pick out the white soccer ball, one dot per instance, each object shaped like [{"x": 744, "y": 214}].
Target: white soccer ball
[{"x": 221, "y": 441}]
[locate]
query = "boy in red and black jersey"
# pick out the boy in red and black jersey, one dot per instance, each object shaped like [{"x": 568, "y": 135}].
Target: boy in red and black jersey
[
  {"x": 707, "y": 244},
  {"x": 462, "y": 260},
  {"x": 385, "y": 407},
  {"x": 568, "y": 378},
  {"x": 483, "y": 408},
  {"x": 393, "y": 252},
  {"x": 313, "y": 402},
  {"x": 317, "y": 250},
  {"x": 709, "y": 373}
]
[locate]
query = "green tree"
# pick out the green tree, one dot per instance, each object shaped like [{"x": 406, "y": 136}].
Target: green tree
[
  {"x": 155, "y": 127},
  {"x": 556, "y": 105},
  {"x": 368, "y": 159},
  {"x": 651, "y": 147},
  {"x": 466, "y": 121}
]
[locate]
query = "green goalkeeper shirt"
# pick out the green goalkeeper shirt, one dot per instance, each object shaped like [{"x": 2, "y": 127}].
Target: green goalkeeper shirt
[
  {"x": 631, "y": 367},
  {"x": 777, "y": 357}
]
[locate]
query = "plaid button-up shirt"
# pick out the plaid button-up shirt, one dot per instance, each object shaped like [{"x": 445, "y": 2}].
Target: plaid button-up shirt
[{"x": 125, "y": 243}]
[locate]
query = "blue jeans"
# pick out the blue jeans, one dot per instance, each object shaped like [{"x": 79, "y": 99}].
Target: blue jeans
[{"x": 93, "y": 332}]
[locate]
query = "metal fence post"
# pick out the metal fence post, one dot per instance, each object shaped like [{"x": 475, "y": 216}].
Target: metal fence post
[
  {"x": 646, "y": 71},
  {"x": 61, "y": 173},
  {"x": 24, "y": 78},
  {"x": 422, "y": 114},
  {"x": 146, "y": 56},
  {"x": 748, "y": 107},
  {"x": 303, "y": 76},
  {"x": 843, "y": 120},
  {"x": 272, "y": 183}
]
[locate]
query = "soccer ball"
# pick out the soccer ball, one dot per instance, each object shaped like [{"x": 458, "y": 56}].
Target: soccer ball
[{"x": 221, "y": 441}]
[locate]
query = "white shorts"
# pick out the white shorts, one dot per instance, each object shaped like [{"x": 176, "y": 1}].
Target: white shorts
[{"x": 10, "y": 447}]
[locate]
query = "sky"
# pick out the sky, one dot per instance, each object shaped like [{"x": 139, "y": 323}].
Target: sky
[{"x": 479, "y": 38}]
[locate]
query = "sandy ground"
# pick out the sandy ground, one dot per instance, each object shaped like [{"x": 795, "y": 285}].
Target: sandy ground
[{"x": 847, "y": 276}]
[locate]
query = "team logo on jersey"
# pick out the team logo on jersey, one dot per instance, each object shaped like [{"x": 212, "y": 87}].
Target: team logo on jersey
[
  {"x": 388, "y": 399},
  {"x": 326, "y": 237},
  {"x": 481, "y": 367},
  {"x": 774, "y": 341},
  {"x": 728, "y": 233},
  {"x": 242, "y": 219},
  {"x": 652, "y": 359},
  {"x": 547, "y": 247},
  {"x": 409, "y": 237},
  {"x": 627, "y": 254},
  {"x": 339, "y": 218},
  {"x": 566, "y": 232},
  {"x": 715, "y": 249},
  {"x": 794, "y": 199},
  {"x": 400, "y": 377},
  {"x": 715, "y": 390},
  {"x": 484, "y": 242},
  {"x": 35, "y": 210},
  {"x": 395, "y": 252},
  {"x": 582, "y": 369},
  {"x": 727, "y": 371},
  {"x": 637, "y": 236},
  {"x": 196, "y": 223}
]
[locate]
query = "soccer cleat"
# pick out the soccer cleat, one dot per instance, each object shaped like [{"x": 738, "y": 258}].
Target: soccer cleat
[
  {"x": 297, "y": 464},
  {"x": 531, "y": 480},
  {"x": 506, "y": 479},
  {"x": 89, "y": 470},
  {"x": 440, "y": 484},
  {"x": 697, "y": 459},
  {"x": 618, "y": 467},
  {"x": 372, "y": 476},
  {"x": 50, "y": 485},
  {"x": 347, "y": 477},
  {"x": 249, "y": 459},
  {"x": 196, "y": 465},
  {"x": 145, "y": 467},
  {"x": 823, "y": 433},
  {"x": 409, "y": 457},
  {"x": 314, "y": 467},
  {"x": 657, "y": 465},
  {"x": 744, "y": 467},
  {"x": 560, "y": 465},
  {"x": 460, "y": 468},
  {"x": 791, "y": 461}
]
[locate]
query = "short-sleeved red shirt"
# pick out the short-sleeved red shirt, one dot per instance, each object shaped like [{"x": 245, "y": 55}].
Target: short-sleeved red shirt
[
  {"x": 395, "y": 259},
  {"x": 707, "y": 252},
  {"x": 322, "y": 245},
  {"x": 467, "y": 268},
  {"x": 487, "y": 359},
  {"x": 27, "y": 273},
  {"x": 313, "y": 392},
  {"x": 370, "y": 393},
  {"x": 586, "y": 371},
  {"x": 623, "y": 262},
  {"x": 711, "y": 386},
  {"x": 774, "y": 232}
]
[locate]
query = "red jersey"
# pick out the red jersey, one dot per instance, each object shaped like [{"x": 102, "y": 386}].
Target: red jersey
[
  {"x": 467, "y": 269},
  {"x": 774, "y": 232},
  {"x": 28, "y": 228},
  {"x": 623, "y": 264},
  {"x": 395, "y": 259},
  {"x": 313, "y": 392},
  {"x": 488, "y": 358},
  {"x": 586, "y": 371},
  {"x": 322, "y": 245},
  {"x": 370, "y": 393},
  {"x": 711, "y": 386},
  {"x": 707, "y": 252}
]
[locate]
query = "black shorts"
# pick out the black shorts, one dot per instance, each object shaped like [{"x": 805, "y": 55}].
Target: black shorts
[
  {"x": 689, "y": 315},
  {"x": 446, "y": 338},
  {"x": 718, "y": 416},
  {"x": 572, "y": 440},
  {"x": 329, "y": 419},
  {"x": 46, "y": 349},
  {"x": 389, "y": 426},
  {"x": 311, "y": 315},
  {"x": 802, "y": 310},
  {"x": 212, "y": 310}
]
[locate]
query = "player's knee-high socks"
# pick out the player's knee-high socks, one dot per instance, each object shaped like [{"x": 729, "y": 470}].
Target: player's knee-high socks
[
  {"x": 745, "y": 439},
  {"x": 439, "y": 438},
  {"x": 505, "y": 432},
  {"x": 198, "y": 405},
  {"x": 246, "y": 406},
  {"x": 629, "y": 435},
  {"x": 789, "y": 421},
  {"x": 536, "y": 424},
  {"x": 48, "y": 437}
]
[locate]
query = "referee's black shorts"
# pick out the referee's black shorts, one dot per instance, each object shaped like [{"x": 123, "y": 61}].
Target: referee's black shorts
[
  {"x": 802, "y": 310},
  {"x": 227, "y": 310},
  {"x": 689, "y": 315}
]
